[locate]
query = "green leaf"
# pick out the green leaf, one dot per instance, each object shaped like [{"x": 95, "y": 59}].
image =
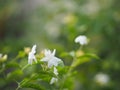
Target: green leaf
[
  {"x": 21, "y": 54},
  {"x": 34, "y": 78},
  {"x": 34, "y": 86},
  {"x": 12, "y": 65},
  {"x": 64, "y": 54},
  {"x": 84, "y": 58},
  {"x": 14, "y": 74},
  {"x": 2, "y": 82},
  {"x": 43, "y": 76},
  {"x": 89, "y": 55}
]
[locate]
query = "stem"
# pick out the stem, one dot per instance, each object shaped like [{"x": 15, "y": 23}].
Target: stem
[
  {"x": 25, "y": 67},
  {"x": 80, "y": 48},
  {"x": 17, "y": 88},
  {"x": 68, "y": 73},
  {"x": 16, "y": 58},
  {"x": 3, "y": 68},
  {"x": 70, "y": 69}
]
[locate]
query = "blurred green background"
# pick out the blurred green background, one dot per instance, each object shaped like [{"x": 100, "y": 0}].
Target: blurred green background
[{"x": 56, "y": 23}]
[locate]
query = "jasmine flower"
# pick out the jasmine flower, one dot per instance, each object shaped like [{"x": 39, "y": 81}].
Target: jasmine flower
[
  {"x": 31, "y": 55},
  {"x": 50, "y": 58},
  {"x": 82, "y": 39}
]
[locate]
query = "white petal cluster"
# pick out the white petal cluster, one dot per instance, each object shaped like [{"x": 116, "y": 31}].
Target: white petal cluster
[
  {"x": 31, "y": 55},
  {"x": 50, "y": 58},
  {"x": 82, "y": 39},
  {"x": 51, "y": 61},
  {"x": 102, "y": 79}
]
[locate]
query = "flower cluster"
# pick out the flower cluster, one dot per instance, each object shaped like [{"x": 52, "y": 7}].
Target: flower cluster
[{"x": 51, "y": 59}]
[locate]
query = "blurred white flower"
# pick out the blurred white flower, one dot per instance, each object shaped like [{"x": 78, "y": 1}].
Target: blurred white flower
[
  {"x": 51, "y": 28},
  {"x": 53, "y": 80},
  {"x": 31, "y": 55},
  {"x": 102, "y": 79},
  {"x": 90, "y": 8},
  {"x": 27, "y": 50},
  {"x": 0, "y": 55},
  {"x": 55, "y": 71},
  {"x": 69, "y": 19},
  {"x": 50, "y": 58},
  {"x": 82, "y": 39},
  {"x": 3, "y": 57}
]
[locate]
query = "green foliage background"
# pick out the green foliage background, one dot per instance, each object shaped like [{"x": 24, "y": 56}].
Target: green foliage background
[{"x": 55, "y": 24}]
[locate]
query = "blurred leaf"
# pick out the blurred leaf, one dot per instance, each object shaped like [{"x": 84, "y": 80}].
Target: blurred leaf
[
  {"x": 89, "y": 55},
  {"x": 12, "y": 65},
  {"x": 64, "y": 54},
  {"x": 63, "y": 70},
  {"x": 43, "y": 76},
  {"x": 21, "y": 54},
  {"x": 14, "y": 74},
  {"x": 61, "y": 64},
  {"x": 34, "y": 86},
  {"x": 85, "y": 58},
  {"x": 9, "y": 65},
  {"x": 2, "y": 82}
]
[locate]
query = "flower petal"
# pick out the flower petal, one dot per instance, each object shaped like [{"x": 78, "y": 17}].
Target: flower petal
[
  {"x": 53, "y": 80},
  {"x": 82, "y": 39},
  {"x": 55, "y": 71},
  {"x": 31, "y": 55}
]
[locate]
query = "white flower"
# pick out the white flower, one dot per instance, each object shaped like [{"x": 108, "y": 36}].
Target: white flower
[
  {"x": 82, "y": 39},
  {"x": 31, "y": 55},
  {"x": 102, "y": 79},
  {"x": 53, "y": 80},
  {"x": 55, "y": 71},
  {"x": 50, "y": 58}
]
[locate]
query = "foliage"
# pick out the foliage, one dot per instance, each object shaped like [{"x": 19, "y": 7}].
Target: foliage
[
  {"x": 41, "y": 79},
  {"x": 54, "y": 24}
]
